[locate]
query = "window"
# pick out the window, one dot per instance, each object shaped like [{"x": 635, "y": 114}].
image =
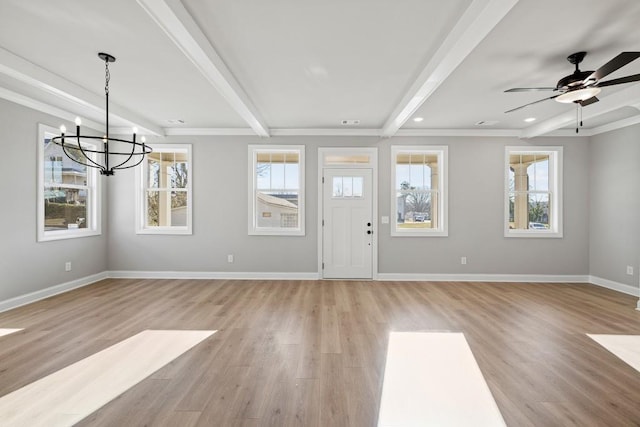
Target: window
[
  {"x": 68, "y": 192},
  {"x": 419, "y": 190},
  {"x": 533, "y": 192},
  {"x": 276, "y": 190},
  {"x": 164, "y": 190}
]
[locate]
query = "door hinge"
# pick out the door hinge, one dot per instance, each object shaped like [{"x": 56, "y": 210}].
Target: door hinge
[
  {"x": 323, "y": 265},
  {"x": 323, "y": 179},
  {"x": 323, "y": 222}
]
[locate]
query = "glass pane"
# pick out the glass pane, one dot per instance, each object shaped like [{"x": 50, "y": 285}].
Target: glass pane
[
  {"x": 538, "y": 173},
  {"x": 64, "y": 208},
  {"x": 340, "y": 159},
  {"x": 337, "y": 187},
  {"x": 416, "y": 209},
  {"x": 263, "y": 175},
  {"x": 347, "y": 189},
  {"x": 179, "y": 175},
  {"x": 358, "y": 183},
  {"x": 153, "y": 207},
  {"x": 179, "y": 208},
  {"x": 291, "y": 172},
  {"x": 272, "y": 211},
  {"x": 539, "y": 211},
  {"x": 60, "y": 169},
  {"x": 277, "y": 176},
  {"x": 153, "y": 173}
]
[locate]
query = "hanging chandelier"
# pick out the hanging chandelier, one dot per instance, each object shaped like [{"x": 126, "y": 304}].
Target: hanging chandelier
[{"x": 115, "y": 154}]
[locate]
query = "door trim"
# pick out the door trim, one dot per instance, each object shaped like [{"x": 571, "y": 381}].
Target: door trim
[{"x": 372, "y": 152}]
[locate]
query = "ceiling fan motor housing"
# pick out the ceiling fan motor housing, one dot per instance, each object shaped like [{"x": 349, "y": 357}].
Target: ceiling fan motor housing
[{"x": 573, "y": 80}]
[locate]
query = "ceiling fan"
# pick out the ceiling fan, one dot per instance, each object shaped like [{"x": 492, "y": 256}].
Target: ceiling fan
[{"x": 581, "y": 87}]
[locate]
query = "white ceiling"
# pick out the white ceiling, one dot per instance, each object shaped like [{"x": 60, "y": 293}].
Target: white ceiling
[{"x": 301, "y": 67}]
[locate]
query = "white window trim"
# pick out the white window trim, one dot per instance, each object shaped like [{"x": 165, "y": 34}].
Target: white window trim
[
  {"x": 555, "y": 188},
  {"x": 140, "y": 194},
  {"x": 94, "y": 205},
  {"x": 252, "y": 179},
  {"x": 442, "y": 151}
]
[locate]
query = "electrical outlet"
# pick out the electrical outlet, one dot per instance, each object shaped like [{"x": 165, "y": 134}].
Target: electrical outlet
[
  {"x": 229, "y": 258},
  {"x": 67, "y": 266},
  {"x": 629, "y": 270},
  {"x": 463, "y": 260}
]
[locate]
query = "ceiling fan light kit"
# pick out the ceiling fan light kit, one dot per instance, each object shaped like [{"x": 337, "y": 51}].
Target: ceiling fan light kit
[
  {"x": 578, "y": 95},
  {"x": 581, "y": 87}
]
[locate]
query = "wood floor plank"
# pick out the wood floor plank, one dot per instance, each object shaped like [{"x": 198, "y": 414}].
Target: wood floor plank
[{"x": 312, "y": 353}]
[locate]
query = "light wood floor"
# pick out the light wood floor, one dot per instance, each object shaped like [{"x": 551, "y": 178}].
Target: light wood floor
[{"x": 312, "y": 353}]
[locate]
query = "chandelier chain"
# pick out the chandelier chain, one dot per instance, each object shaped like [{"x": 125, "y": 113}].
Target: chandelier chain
[{"x": 107, "y": 77}]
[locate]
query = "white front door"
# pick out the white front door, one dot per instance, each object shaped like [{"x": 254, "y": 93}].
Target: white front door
[{"x": 347, "y": 230}]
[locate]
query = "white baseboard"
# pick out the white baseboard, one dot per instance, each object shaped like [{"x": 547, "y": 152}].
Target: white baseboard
[
  {"x": 620, "y": 287},
  {"x": 211, "y": 275},
  {"x": 51, "y": 291},
  {"x": 84, "y": 281},
  {"x": 547, "y": 278}
]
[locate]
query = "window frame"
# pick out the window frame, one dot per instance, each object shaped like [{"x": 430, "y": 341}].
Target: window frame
[
  {"x": 253, "y": 229},
  {"x": 555, "y": 189},
  {"x": 442, "y": 152},
  {"x": 142, "y": 187},
  {"x": 94, "y": 196}
]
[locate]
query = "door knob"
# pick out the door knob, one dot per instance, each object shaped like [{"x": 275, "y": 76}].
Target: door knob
[
  {"x": 368, "y": 224},
  {"x": 369, "y": 232}
]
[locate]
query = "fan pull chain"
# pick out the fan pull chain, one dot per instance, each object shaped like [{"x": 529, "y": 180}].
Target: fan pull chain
[{"x": 577, "y": 115}]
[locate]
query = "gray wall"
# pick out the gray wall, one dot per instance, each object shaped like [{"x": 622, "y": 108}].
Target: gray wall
[
  {"x": 601, "y": 202},
  {"x": 614, "y": 182},
  {"x": 25, "y": 265},
  {"x": 475, "y": 215}
]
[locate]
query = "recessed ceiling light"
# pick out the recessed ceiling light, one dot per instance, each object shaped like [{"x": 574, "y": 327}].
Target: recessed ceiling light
[
  {"x": 530, "y": 119},
  {"x": 350, "y": 122},
  {"x": 418, "y": 119}
]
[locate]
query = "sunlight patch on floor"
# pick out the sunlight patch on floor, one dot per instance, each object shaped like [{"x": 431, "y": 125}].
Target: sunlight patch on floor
[
  {"x": 7, "y": 331},
  {"x": 626, "y": 347},
  {"x": 72, "y": 393},
  {"x": 432, "y": 378}
]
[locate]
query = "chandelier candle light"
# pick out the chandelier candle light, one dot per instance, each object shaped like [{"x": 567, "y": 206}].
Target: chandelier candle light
[{"x": 125, "y": 159}]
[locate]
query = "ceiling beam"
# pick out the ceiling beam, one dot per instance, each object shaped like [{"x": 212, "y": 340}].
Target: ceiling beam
[
  {"x": 37, "y": 77},
  {"x": 172, "y": 17},
  {"x": 476, "y": 22},
  {"x": 625, "y": 98}
]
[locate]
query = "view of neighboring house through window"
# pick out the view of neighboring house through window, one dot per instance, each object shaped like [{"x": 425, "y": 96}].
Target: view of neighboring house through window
[
  {"x": 533, "y": 191},
  {"x": 67, "y": 196},
  {"x": 164, "y": 202},
  {"x": 276, "y": 193},
  {"x": 419, "y": 190}
]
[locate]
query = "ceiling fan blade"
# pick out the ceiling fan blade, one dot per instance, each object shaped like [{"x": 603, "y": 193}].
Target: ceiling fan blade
[
  {"x": 530, "y": 89},
  {"x": 618, "y": 62},
  {"x": 531, "y": 103},
  {"x": 627, "y": 79},
  {"x": 589, "y": 101}
]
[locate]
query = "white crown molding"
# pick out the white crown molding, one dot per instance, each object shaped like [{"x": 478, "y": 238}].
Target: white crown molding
[
  {"x": 630, "y": 121},
  {"x": 326, "y": 132},
  {"x": 476, "y": 22},
  {"x": 624, "y": 98},
  {"x": 458, "y": 132},
  {"x": 46, "y": 108},
  {"x": 172, "y": 17},
  {"x": 209, "y": 132},
  {"x": 52, "y": 84}
]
